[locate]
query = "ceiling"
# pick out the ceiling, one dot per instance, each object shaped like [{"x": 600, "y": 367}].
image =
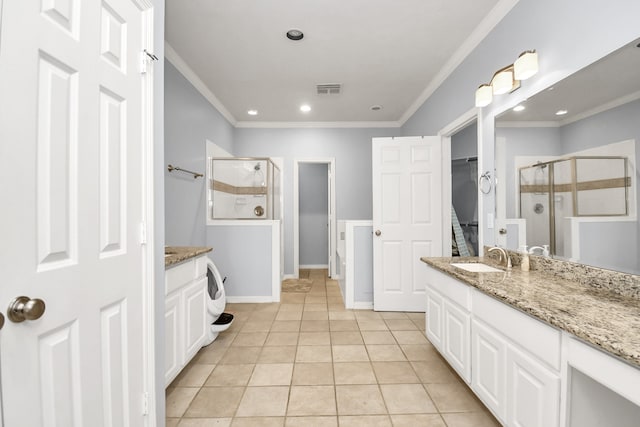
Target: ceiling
[
  {"x": 383, "y": 52},
  {"x": 608, "y": 82}
]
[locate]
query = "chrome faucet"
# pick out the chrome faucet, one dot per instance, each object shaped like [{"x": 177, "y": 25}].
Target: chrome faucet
[{"x": 503, "y": 256}]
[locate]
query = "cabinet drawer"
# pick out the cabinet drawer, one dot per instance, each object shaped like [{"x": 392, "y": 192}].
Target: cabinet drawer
[
  {"x": 449, "y": 288},
  {"x": 178, "y": 276},
  {"x": 540, "y": 339}
]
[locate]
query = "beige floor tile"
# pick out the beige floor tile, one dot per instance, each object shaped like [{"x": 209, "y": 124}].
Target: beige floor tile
[
  {"x": 359, "y": 400},
  {"x": 292, "y": 298},
  {"x": 354, "y": 373},
  {"x": 394, "y": 373},
  {"x": 171, "y": 422},
  {"x": 269, "y": 306},
  {"x": 210, "y": 355},
  {"x": 263, "y": 402},
  {"x": 315, "y": 315},
  {"x": 434, "y": 371},
  {"x": 282, "y": 338},
  {"x": 249, "y": 339},
  {"x": 316, "y": 307},
  {"x": 205, "y": 422},
  {"x": 401, "y": 325},
  {"x": 407, "y": 399},
  {"x": 178, "y": 400},
  {"x": 250, "y": 326},
  {"x": 470, "y": 419},
  {"x": 393, "y": 315},
  {"x": 289, "y": 315},
  {"x": 312, "y": 400},
  {"x": 271, "y": 374},
  {"x": 215, "y": 402},
  {"x": 193, "y": 375},
  {"x": 378, "y": 337},
  {"x": 314, "y": 338},
  {"x": 372, "y": 325},
  {"x": 365, "y": 421},
  {"x": 312, "y": 374},
  {"x": 453, "y": 397},
  {"x": 263, "y": 316},
  {"x": 297, "y": 307},
  {"x": 285, "y": 326},
  {"x": 415, "y": 420},
  {"x": 350, "y": 353},
  {"x": 334, "y": 299},
  {"x": 416, "y": 316},
  {"x": 343, "y": 325},
  {"x": 336, "y": 306},
  {"x": 341, "y": 315},
  {"x": 240, "y": 355},
  {"x": 322, "y": 421},
  {"x": 420, "y": 352},
  {"x": 284, "y": 354},
  {"x": 230, "y": 375},
  {"x": 314, "y": 353},
  {"x": 386, "y": 353},
  {"x": 258, "y": 422},
  {"x": 224, "y": 339},
  {"x": 367, "y": 315},
  {"x": 241, "y": 306},
  {"x": 314, "y": 325},
  {"x": 310, "y": 299},
  {"x": 409, "y": 337},
  {"x": 346, "y": 337}
]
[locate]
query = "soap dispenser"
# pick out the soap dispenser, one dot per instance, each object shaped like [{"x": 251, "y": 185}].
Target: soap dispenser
[
  {"x": 524, "y": 261},
  {"x": 545, "y": 250}
]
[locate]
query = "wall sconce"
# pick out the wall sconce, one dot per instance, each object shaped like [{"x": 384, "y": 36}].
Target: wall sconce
[{"x": 507, "y": 79}]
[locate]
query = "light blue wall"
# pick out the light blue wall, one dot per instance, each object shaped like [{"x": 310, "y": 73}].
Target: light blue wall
[
  {"x": 568, "y": 35},
  {"x": 350, "y": 147},
  {"x": 189, "y": 121},
  {"x": 313, "y": 216}
]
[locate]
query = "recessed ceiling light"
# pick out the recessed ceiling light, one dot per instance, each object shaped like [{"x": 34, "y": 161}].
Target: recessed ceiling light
[
  {"x": 376, "y": 107},
  {"x": 518, "y": 108},
  {"x": 561, "y": 112},
  {"x": 305, "y": 108},
  {"x": 295, "y": 35},
  {"x": 252, "y": 112}
]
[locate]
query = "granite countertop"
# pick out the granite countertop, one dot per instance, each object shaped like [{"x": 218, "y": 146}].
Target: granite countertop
[
  {"x": 177, "y": 254},
  {"x": 601, "y": 317}
]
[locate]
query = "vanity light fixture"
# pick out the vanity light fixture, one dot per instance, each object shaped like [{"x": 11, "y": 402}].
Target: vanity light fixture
[{"x": 507, "y": 79}]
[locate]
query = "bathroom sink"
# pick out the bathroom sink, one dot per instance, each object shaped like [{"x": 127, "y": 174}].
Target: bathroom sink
[{"x": 476, "y": 267}]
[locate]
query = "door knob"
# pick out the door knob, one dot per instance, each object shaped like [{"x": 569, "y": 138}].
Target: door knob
[
  {"x": 378, "y": 232},
  {"x": 24, "y": 308},
  {"x": 1, "y": 320}
]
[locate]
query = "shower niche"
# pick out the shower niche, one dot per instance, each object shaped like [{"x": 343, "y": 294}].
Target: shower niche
[
  {"x": 243, "y": 188},
  {"x": 580, "y": 186}
]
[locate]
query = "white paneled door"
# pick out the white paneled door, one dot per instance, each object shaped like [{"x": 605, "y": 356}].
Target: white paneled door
[
  {"x": 72, "y": 113},
  {"x": 407, "y": 219}
]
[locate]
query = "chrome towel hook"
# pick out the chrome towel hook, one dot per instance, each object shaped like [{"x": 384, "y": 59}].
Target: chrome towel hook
[{"x": 484, "y": 183}]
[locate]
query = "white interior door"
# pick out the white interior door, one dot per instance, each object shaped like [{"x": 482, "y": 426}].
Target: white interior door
[
  {"x": 71, "y": 141},
  {"x": 407, "y": 219}
]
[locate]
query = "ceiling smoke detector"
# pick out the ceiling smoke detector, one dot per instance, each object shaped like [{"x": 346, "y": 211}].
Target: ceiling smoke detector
[
  {"x": 295, "y": 35},
  {"x": 376, "y": 107}
]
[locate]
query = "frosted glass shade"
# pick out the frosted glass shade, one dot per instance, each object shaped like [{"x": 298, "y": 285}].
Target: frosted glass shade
[
  {"x": 526, "y": 65},
  {"x": 484, "y": 96},
  {"x": 502, "y": 82}
]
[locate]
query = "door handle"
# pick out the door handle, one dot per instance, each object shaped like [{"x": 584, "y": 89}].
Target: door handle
[
  {"x": 24, "y": 308},
  {"x": 378, "y": 232},
  {"x": 1, "y": 320}
]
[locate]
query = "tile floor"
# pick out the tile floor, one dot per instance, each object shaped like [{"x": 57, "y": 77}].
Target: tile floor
[{"x": 309, "y": 362}]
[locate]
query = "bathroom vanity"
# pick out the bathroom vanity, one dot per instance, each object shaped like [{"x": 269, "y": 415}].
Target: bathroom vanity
[
  {"x": 185, "y": 293},
  {"x": 540, "y": 349}
]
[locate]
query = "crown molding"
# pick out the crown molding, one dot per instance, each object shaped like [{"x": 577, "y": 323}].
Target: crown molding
[
  {"x": 602, "y": 108},
  {"x": 172, "y": 56},
  {"x": 526, "y": 124},
  {"x": 498, "y": 12},
  {"x": 307, "y": 125}
]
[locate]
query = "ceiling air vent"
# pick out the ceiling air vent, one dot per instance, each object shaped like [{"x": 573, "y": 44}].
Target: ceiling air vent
[{"x": 329, "y": 89}]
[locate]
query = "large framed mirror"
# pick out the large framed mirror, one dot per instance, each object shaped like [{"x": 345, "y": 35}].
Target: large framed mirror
[{"x": 566, "y": 162}]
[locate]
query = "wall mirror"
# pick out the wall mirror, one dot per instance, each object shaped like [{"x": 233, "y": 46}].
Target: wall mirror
[{"x": 566, "y": 166}]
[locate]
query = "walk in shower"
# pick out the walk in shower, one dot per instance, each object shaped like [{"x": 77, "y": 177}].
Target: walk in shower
[
  {"x": 581, "y": 186},
  {"x": 243, "y": 188}
]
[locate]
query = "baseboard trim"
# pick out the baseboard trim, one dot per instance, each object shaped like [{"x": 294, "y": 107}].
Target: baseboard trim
[
  {"x": 289, "y": 276},
  {"x": 314, "y": 266},
  {"x": 362, "y": 305},
  {"x": 254, "y": 299}
]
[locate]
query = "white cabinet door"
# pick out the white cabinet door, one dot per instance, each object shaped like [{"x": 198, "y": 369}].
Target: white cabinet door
[
  {"x": 488, "y": 356},
  {"x": 433, "y": 318},
  {"x": 174, "y": 349},
  {"x": 457, "y": 339},
  {"x": 533, "y": 392},
  {"x": 194, "y": 297}
]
